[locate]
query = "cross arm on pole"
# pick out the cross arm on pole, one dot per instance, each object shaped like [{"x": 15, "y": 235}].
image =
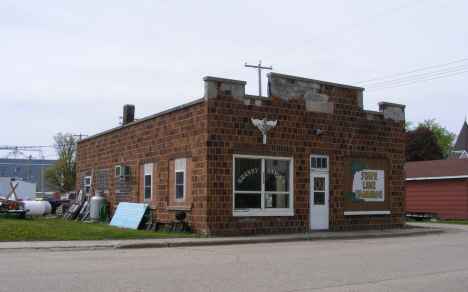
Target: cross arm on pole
[{"x": 259, "y": 69}]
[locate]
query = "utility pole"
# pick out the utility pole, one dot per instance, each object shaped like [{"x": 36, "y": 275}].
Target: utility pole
[
  {"x": 80, "y": 136},
  {"x": 29, "y": 168},
  {"x": 259, "y": 70},
  {"x": 42, "y": 179}
]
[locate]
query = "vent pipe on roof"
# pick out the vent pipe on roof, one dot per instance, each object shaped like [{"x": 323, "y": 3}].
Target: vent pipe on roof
[{"x": 128, "y": 114}]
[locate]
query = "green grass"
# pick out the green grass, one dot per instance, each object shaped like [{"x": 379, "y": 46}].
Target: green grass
[
  {"x": 454, "y": 221},
  {"x": 36, "y": 229}
]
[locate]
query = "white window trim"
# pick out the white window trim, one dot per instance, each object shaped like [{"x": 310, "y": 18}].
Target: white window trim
[
  {"x": 327, "y": 169},
  {"x": 180, "y": 166},
  {"x": 88, "y": 185},
  {"x": 148, "y": 171},
  {"x": 264, "y": 211}
]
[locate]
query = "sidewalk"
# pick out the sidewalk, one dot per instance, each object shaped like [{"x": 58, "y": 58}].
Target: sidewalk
[{"x": 180, "y": 242}]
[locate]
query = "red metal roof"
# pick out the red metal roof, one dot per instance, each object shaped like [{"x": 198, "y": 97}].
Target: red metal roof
[{"x": 437, "y": 168}]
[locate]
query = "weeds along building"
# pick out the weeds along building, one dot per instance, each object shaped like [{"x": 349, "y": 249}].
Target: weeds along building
[{"x": 308, "y": 156}]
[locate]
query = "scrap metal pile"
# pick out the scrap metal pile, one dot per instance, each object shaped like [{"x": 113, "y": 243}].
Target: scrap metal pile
[{"x": 11, "y": 204}]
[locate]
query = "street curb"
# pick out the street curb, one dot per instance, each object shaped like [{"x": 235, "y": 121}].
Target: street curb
[{"x": 227, "y": 241}]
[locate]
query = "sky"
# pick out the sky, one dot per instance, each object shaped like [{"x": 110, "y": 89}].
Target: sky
[{"x": 71, "y": 66}]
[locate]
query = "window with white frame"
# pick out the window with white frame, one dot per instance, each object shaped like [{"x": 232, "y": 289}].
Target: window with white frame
[
  {"x": 148, "y": 181},
  {"x": 87, "y": 185},
  {"x": 319, "y": 163},
  {"x": 263, "y": 186},
  {"x": 180, "y": 179}
]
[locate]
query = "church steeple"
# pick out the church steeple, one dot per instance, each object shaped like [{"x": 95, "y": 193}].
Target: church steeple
[{"x": 460, "y": 149}]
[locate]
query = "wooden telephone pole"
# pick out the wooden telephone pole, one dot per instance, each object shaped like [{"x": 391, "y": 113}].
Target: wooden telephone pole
[{"x": 259, "y": 70}]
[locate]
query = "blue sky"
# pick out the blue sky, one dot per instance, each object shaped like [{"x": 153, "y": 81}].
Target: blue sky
[{"x": 71, "y": 66}]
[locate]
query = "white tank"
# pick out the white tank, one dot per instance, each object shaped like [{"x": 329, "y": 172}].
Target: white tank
[
  {"x": 36, "y": 208},
  {"x": 96, "y": 203},
  {"x": 48, "y": 207}
]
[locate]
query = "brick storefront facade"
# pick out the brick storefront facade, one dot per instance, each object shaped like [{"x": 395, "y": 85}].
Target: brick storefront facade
[{"x": 203, "y": 139}]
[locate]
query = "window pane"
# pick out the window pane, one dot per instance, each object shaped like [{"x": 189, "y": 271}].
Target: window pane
[
  {"x": 147, "y": 180},
  {"x": 324, "y": 163},
  {"x": 179, "y": 178},
  {"x": 179, "y": 192},
  {"x": 277, "y": 201},
  {"x": 319, "y": 198},
  {"x": 147, "y": 193},
  {"x": 248, "y": 201},
  {"x": 313, "y": 162},
  {"x": 319, "y": 183},
  {"x": 248, "y": 174},
  {"x": 277, "y": 175}
]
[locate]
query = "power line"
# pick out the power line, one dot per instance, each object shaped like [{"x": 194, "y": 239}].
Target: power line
[
  {"x": 338, "y": 31},
  {"x": 427, "y": 68},
  {"x": 366, "y": 34},
  {"x": 420, "y": 76},
  {"x": 417, "y": 81}
]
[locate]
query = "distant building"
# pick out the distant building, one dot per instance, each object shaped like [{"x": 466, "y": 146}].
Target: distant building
[
  {"x": 23, "y": 168},
  {"x": 460, "y": 149},
  {"x": 25, "y": 190}
]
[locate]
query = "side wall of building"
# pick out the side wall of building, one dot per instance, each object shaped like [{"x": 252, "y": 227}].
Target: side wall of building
[
  {"x": 150, "y": 147},
  {"x": 446, "y": 197}
]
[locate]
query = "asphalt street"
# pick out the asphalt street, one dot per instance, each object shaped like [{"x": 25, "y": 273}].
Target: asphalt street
[{"x": 431, "y": 262}]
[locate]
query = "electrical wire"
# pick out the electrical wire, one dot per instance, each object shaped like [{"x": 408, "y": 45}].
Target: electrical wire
[
  {"x": 366, "y": 34},
  {"x": 427, "y": 68},
  {"x": 332, "y": 33},
  {"x": 338, "y": 31},
  {"x": 417, "y": 81},
  {"x": 420, "y": 76}
]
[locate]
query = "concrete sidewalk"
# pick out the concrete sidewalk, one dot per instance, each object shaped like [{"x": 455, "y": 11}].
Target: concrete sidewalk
[{"x": 180, "y": 242}]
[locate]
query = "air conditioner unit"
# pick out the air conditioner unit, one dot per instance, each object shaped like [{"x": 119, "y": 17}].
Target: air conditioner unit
[{"x": 122, "y": 170}]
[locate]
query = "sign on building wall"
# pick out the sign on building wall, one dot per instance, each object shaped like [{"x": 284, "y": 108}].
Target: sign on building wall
[
  {"x": 369, "y": 185},
  {"x": 366, "y": 183}
]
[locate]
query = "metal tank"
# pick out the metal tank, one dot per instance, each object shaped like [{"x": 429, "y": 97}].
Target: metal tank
[
  {"x": 36, "y": 208},
  {"x": 96, "y": 203},
  {"x": 48, "y": 207}
]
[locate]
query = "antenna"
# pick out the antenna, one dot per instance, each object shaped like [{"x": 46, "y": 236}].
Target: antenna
[{"x": 259, "y": 70}]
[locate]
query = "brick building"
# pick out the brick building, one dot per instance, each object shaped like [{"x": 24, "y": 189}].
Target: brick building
[{"x": 308, "y": 156}]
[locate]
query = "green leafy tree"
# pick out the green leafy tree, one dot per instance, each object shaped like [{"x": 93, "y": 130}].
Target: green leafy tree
[
  {"x": 445, "y": 138},
  {"x": 62, "y": 174}
]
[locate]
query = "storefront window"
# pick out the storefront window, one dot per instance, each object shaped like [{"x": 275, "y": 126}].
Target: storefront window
[{"x": 262, "y": 186}]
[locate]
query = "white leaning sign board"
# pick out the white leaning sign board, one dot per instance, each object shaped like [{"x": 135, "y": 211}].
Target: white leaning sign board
[{"x": 369, "y": 185}]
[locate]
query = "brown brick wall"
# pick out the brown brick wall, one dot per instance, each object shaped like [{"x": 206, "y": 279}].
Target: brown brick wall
[
  {"x": 160, "y": 138},
  {"x": 348, "y": 132}
]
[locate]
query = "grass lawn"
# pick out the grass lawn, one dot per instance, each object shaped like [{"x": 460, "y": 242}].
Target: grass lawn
[
  {"x": 53, "y": 228},
  {"x": 458, "y": 222}
]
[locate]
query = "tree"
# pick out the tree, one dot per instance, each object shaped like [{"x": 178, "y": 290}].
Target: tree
[
  {"x": 445, "y": 138},
  {"x": 421, "y": 145},
  {"x": 408, "y": 125},
  {"x": 62, "y": 174}
]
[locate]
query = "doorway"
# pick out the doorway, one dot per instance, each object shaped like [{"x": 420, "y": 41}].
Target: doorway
[{"x": 319, "y": 195}]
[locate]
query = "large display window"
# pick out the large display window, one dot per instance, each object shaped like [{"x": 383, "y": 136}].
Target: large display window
[{"x": 263, "y": 186}]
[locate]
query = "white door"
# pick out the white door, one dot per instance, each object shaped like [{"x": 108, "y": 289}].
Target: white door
[{"x": 319, "y": 207}]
